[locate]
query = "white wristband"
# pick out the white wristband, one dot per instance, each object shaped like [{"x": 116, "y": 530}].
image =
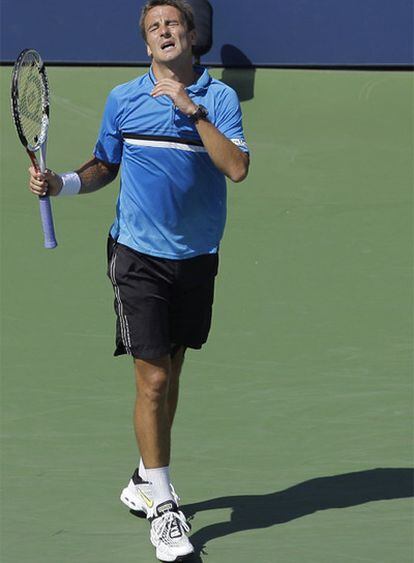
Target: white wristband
[{"x": 71, "y": 184}]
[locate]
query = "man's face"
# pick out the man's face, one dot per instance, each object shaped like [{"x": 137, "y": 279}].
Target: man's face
[{"x": 167, "y": 35}]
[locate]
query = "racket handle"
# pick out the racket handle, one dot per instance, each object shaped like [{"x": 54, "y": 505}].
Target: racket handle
[
  {"x": 47, "y": 222},
  {"x": 44, "y": 202}
]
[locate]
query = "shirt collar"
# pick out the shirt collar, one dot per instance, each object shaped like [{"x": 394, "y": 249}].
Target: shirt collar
[
  {"x": 201, "y": 83},
  {"x": 151, "y": 76}
]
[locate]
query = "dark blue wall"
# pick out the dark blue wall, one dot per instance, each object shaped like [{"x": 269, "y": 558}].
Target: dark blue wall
[{"x": 268, "y": 32}]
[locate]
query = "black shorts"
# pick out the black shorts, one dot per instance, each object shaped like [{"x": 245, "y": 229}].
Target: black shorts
[{"x": 160, "y": 303}]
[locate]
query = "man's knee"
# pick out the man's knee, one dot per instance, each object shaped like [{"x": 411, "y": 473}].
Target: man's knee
[{"x": 152, "y": 379}]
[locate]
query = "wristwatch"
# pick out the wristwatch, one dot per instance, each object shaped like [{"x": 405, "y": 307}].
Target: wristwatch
[{"x": 200, "y": 113}]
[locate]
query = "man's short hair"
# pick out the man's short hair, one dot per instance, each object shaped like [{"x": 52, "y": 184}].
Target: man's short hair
[{"x": 181, "y": 5}]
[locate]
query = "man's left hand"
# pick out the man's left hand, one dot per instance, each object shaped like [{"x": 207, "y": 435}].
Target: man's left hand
[{"x": 176, "y": 91}]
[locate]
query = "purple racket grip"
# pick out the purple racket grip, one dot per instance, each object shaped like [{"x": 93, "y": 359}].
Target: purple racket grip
[{"x": 47, "y": 222}]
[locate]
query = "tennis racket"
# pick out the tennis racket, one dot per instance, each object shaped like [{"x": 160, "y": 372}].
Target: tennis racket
[{"x": 30, "y": 110}]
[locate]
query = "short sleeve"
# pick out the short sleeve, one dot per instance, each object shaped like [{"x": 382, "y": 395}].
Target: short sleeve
[
  {"x": 228, "y": 118},
  {"x": 109, "y": 145}
]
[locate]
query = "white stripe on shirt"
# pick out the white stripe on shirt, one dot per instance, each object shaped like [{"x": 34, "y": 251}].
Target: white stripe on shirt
[{"x": 164, "y": 145}]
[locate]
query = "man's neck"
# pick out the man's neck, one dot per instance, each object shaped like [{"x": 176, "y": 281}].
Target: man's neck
[{"x": 183, "y": 73}]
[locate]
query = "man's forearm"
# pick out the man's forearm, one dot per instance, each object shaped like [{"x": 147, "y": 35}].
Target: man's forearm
[
  {"x": 228, "y": 158},
  {"x": 96, "y": 174}
]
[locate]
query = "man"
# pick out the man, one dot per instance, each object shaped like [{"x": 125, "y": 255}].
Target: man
[{"x": 176, "y": 133}]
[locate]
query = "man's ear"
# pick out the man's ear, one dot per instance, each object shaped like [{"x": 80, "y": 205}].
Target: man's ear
[
  {"x": 149, "y": 53},
  {"x": 193, "y": 36}
]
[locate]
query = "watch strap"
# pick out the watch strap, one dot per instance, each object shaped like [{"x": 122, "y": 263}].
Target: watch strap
[{"x": 200, "y": 113}]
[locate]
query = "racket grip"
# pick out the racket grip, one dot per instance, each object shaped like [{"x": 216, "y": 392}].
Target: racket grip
[{"x": 47, "y": 222}]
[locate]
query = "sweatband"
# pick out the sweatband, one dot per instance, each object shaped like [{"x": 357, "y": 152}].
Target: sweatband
[{"x": 71, "y": 184}]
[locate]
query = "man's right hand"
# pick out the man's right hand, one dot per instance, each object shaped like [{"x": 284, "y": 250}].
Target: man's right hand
[{"x": 47, "y": 183}]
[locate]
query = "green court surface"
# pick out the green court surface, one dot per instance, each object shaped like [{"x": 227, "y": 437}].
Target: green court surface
[{"x": 293, "y": 439}]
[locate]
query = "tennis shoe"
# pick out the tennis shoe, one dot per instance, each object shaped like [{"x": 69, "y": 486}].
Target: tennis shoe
[
  {"x": 137, "y": 495},
  {"x": 168, "y": 533}
]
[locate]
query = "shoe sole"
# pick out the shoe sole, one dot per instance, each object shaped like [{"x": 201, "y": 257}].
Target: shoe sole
[{"x": 178, "y": 558}]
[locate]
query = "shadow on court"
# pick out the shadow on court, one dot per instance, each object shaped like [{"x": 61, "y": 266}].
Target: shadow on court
[{"x": 250, "y": 512}]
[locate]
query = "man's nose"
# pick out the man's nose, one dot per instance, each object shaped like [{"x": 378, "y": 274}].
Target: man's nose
[{"x": 164, "y": 31}]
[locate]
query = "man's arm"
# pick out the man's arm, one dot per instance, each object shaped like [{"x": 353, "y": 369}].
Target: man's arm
[
  {"x": 228, "y": 158},
  {"x": 94, "y": 175}
]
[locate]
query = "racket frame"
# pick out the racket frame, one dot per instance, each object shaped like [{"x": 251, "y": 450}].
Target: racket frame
[{"x": 41, "y": 144}]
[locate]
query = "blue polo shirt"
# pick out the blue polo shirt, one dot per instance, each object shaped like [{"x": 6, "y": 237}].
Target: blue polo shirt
[{"x": 172, "y": 199}]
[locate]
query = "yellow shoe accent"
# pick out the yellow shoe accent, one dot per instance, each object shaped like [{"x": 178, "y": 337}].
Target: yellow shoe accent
[{"x": 148, "y": 501}]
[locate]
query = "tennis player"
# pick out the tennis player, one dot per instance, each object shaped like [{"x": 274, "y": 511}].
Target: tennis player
[{"x": 176, "y": 133}]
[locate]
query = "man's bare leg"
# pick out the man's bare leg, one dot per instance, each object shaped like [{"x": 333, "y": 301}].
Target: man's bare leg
[
  {"x": 157, "y": 383},
  {"x": 176, "y": 364},
  {"x": 151, "y": 417}
]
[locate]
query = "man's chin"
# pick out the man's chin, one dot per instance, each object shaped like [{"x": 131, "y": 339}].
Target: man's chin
[
  {"x": 173, "y": 55},
  {"x": 167, "y": 57}
]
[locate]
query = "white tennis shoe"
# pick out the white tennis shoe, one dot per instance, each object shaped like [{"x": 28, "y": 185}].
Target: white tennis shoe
[
  {"x": 168, "y": 533},
  {"x": 137, "y": 495}
]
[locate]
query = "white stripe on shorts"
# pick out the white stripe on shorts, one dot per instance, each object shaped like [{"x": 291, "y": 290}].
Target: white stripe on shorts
[{"x": 123, "y": 321}]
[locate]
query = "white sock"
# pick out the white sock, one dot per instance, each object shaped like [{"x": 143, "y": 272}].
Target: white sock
[
  {"x": 160, "y": 479},
  {"x": 142, "y": 471}
]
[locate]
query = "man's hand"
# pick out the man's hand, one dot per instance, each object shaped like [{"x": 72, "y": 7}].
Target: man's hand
[
  {"x": 176, "y": 91},
  {"x": 47, "y": 183}
]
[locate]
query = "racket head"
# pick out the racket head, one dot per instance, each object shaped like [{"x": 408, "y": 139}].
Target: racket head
[{"x": 30, "y": 99}]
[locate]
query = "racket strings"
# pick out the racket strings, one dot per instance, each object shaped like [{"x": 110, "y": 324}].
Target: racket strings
[{"x": 31, "y": 101}]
